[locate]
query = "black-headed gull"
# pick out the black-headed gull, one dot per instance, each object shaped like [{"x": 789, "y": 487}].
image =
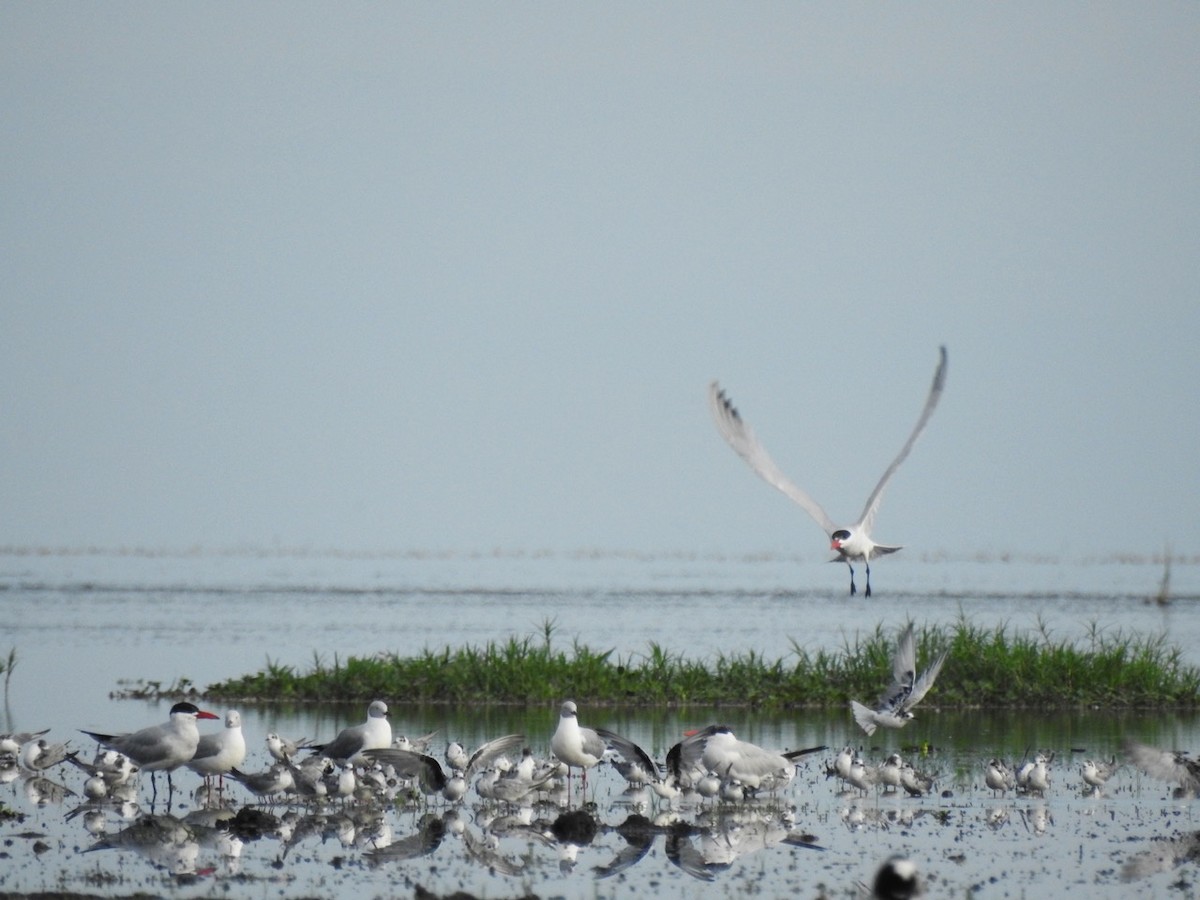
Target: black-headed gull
[
  {"x": 716, "y": 749},
  {"x": 851, "y": 543},
  {"x": 160, "y": 748},
  {"x": 894, "y": 708}
]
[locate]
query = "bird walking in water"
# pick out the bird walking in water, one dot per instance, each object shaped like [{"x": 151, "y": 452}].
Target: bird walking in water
[
  {"x": 851, "y": 543},
  {"x": 160, "y": 748},
  {"x": 582, "y": 748}
]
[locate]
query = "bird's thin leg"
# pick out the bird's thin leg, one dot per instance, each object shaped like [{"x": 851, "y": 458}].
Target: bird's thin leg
[
  {"x": 868, "y": 591},
  {"x": 153, "y": 789},
  {"x": 853, "y": 589}
]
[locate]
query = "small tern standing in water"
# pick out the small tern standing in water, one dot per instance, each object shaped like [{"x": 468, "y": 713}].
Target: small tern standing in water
[
  {"x": 851, "y": 543},
  {"x": 894, "y": 708},
  {"x": 160, "y": 748}
]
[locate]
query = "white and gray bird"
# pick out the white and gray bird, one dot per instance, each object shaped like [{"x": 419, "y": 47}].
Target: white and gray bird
[
  {"x": 40, "y": 755},
  {"x": 998, "y": 776},
  {"x": 582, "y": 748},
  {"x": 851, "y": 543},
  {"x": 216, "y": 754},
  {"x": 283, "y": 750},
  {"x": 718, "y": 750},
  {"x": 894, "y": 707},
  {"x": 160, "y": 748},
  {"x": 1165, "y": 765},
  {"x": 373, "y": 734},
  {"x": 1095, "y": 773}
]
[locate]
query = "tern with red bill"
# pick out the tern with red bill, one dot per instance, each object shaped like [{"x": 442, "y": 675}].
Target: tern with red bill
[
  {"x": 160, "y": 748},
  {"x": 851, "y": 543}
]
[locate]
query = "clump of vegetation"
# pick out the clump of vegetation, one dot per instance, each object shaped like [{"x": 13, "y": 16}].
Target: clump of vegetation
[{"x": 992, "y": 667}]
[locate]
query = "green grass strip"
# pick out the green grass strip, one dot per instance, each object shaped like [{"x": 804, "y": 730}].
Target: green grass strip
[{"x": 987, "y": 667}]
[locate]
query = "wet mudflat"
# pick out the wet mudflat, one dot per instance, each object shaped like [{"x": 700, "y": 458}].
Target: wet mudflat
[
  {"x": 815, "y": 837},
  {"x": 81, "y": 624}
]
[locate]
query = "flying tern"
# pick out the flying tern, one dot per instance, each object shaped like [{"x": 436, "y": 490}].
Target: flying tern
[
  {"x": 851, "y": 543},
  {"x": 160, "y": 748},
  {"x": 894, "y": 708}
]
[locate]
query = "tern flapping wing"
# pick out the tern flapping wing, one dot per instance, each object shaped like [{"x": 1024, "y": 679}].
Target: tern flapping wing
[
  {"x": 429, "y": 771},
  {"x": 907, "y": 689},
  {"x": 852, "y": 543},
  {"x": 1165, "y": 765}
]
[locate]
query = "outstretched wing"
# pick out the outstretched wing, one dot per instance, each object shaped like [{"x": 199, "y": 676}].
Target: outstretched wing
[
  {"x": 742, "y": 439},
  {"x": 491, "y": 750},
  {"x": 867, "y": 520},
  {"x": 629, "y": 750},
  {"x": 925, "y": 682}
]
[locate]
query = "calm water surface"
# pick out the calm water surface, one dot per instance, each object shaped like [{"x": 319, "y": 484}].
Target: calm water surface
[{"x": 81, "y": 623}]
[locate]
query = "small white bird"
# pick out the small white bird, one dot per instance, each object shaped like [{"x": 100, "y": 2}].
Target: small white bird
[
  {"x": 915, "y": 784},
  {"x": 582, "y": 748},
  {"x": 894, "y": 708},
  {"x": 373, "y": 734},
  {"x": 888, "y": 774},
  {"x": 216, "y": 754},
  {"x": 1033, "y": 776},
  {"x": 160, "y": 748},
  {"x": 283, "y": 750},
  {"x": 851, "y": 543},
  {"x": 40, "y": 755},
  {"x": 998, "y": 776},
  {"x": 1096, "y": 774}
]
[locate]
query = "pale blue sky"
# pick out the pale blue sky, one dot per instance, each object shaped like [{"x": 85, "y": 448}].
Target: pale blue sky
[{"x": 393, "y": 276}]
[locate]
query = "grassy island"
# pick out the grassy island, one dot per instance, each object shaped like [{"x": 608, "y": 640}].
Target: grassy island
[{"x": 986, "y": 667}]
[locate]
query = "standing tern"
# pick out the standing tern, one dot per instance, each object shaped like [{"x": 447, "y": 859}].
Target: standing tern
[
  {"x": 851, "y": 543},
  {"x": 582, "y": 748},
  {"x": 163, "y": 747},
  {"x": 894, "y": 708},
  {"x": 373, "y": 734}
]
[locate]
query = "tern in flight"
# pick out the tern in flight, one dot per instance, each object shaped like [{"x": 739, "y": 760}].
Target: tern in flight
[
  {"x": 894, "y": 708},
  {"x": 851, "y": 543}
]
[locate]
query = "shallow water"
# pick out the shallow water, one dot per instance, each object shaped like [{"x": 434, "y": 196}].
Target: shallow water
[{"x": 80, "y": 623}]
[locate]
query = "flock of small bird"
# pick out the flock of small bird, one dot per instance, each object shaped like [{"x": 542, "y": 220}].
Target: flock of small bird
[{"x": 367, "y": 767}]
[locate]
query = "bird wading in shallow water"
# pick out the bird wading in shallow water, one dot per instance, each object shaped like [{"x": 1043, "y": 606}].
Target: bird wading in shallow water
[{"x": 851, "y": 543}]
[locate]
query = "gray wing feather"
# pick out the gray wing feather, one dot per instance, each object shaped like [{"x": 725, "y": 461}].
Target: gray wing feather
[
  {"x": 867, "y": 520},
  {"x": 742, "y": 439},
  {"x": 629, "y": 750}
]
